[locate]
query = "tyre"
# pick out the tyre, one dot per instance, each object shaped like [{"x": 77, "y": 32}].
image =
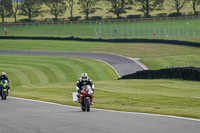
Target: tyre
[
  {"x": 4, "y": 96},
  {"x": 83, "y": 108},
  {"x": 87, "y": 104}
]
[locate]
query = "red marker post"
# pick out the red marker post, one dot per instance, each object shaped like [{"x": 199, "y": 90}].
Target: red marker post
[{"x": 6, "y": 31}]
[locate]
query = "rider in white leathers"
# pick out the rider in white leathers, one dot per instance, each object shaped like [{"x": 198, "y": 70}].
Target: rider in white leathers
[{"x": 83, "y": 80}]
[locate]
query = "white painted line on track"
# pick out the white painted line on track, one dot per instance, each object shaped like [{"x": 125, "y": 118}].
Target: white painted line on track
[{"x": 113, "y": 111}]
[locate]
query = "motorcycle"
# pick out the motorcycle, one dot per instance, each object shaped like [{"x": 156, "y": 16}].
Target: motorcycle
[
  {"x": 4, "y": 86},
  {"x": 86, "y": 97}
]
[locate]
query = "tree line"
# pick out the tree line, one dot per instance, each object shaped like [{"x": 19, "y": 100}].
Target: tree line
[{"x": 34, "y": 8}]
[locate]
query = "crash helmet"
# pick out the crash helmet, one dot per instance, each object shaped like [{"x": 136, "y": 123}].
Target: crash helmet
[
  {"x": 3, "y": 74},
  {"x": 84, "y": 76}
]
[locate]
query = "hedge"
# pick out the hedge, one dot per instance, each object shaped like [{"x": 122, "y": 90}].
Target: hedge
[
  {"x": 176, "y": 42},
  {"x": 184, "y": 73}
]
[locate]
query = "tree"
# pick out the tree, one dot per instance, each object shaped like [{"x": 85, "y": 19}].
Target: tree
[
  {"x": 194, "y": 4},
  {"x": 178, "y": 4},
  {"x": 88, "y": 7},
  {"x": 120, "y": 6},
  {"x": 5, "y": 9},
  {"x": 71, "y": 7},
  {"x": 31, "y": 8},
  {"x": 57, "y": 7},
  {"x": 148, "y": 6},
  {"x": 16, "y": 7}
]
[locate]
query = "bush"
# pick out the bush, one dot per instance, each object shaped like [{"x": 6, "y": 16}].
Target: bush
[
  {"x": 162, "y": 14},
  {"x": 175, "y": 14},
  {"x": 74, "y": 18},
  {"x": 96, "y": 18},
  {"x": 26, "y": 20},
  {"x": 186, "y": 73},
  {"x": 133, "y": 16}
]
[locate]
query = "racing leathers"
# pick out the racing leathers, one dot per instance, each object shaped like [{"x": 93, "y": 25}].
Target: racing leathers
[
  {"x": 80, "y": 83},
  {"x": 4, "y": 78}
]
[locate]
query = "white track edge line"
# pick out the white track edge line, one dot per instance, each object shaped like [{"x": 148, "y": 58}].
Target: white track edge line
[{"x": 137, "y": 113}]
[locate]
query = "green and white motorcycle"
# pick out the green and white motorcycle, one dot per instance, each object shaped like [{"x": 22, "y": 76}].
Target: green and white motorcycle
[{"x": 4, "y": 87}]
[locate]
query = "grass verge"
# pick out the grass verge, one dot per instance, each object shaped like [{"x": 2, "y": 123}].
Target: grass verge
[
  {"x": 27, "y": 70},
  {"x": 155, "y": 56},
  {"x": 169, "y": 97}
]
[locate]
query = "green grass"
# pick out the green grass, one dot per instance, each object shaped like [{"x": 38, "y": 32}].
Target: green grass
[
  {"x": 174, "y": 30},
  {"x": 27, "y": 70},
  {"x": 175, "y": 61},
  {"x": 155, "y": 56},
  {"x": 170, "y": 97},
  {"x": 53, "y": 79}
]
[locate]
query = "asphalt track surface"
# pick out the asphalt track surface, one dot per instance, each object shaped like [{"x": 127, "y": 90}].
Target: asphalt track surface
[
  {"x": 24, "y": 116},
  {"x": 29, "y": 116},
  {"x": 121, "y": 64}
]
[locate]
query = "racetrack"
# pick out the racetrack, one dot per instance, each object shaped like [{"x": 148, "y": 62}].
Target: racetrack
[
  {"x": 25, "y": 116},
  {"x": 122, "y": 65}
]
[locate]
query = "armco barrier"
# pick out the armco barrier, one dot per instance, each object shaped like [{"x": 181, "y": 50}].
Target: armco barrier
[
  {"x": 185, "y": 73},
  {"x": 175, "y": 42}
]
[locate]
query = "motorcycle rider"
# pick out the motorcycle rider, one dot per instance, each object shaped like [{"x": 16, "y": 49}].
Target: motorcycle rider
[
  {"x": 4, "y": 77},
  {"x": 83, "y": 80}
]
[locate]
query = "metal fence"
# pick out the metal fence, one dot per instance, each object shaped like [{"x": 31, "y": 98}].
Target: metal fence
[
  {"x": 64, "y": 22},
  {"x": 147, "y": 31},
  {"x": 186, "y": 64}
]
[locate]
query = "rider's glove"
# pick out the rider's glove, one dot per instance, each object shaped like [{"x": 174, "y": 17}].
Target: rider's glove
[{"x": 93, "y": 90}]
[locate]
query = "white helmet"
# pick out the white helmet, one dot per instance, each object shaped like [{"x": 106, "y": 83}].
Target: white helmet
[
  {"x": 3, "y": 74},
  {"x": 84, "y": 76}
]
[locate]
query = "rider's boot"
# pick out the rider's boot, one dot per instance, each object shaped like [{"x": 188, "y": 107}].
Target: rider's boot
[{"x": 78, "y": 100}]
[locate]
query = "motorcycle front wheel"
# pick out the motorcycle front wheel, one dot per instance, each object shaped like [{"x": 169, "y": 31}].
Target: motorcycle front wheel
[
  {"x": 87, "y": 104},
  {"x": 83, "y": 108}
]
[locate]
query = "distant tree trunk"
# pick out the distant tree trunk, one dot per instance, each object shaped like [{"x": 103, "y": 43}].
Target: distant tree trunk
[
  {"x": 179, "y": 4},
  {"x": 88, "y": 7},
  {"x": 148, "y": 6},
  {"x": 72, "y": 6},
  {"x": 119, "y": 7},
  {"x": 5, "y": 9},
  {"x": 194, "y": 4},
  {"x": 15, "y": 9},
  {"x": 56, "y": 7}
]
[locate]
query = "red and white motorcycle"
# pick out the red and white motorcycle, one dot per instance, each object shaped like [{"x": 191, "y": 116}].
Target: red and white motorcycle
[{"x": 86, "y": 97}]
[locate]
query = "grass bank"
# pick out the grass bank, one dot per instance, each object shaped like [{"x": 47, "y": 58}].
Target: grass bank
[
  {"x": 155, "y": 56},
  {"x": 187, "y": 30},
  {"x": 27, "y": 70},
  {"x": 53, "y": 79}
]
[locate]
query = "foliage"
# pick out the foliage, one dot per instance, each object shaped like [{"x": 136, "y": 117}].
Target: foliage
[
  {"x": 194, "y": 4},
  {"x": 57, "y": 7},
  {"x": 5, "y": 9},
  {"x": 120, "y": 6},
  {"x": 88, "y": 7},
  {"x": 148, "y": 6},
  {"x": 72, "y": 6},
  {"x": 31, "y": 8},
  {"x": 16, "y": 6},
  {"x": 178, "y": 4}
]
